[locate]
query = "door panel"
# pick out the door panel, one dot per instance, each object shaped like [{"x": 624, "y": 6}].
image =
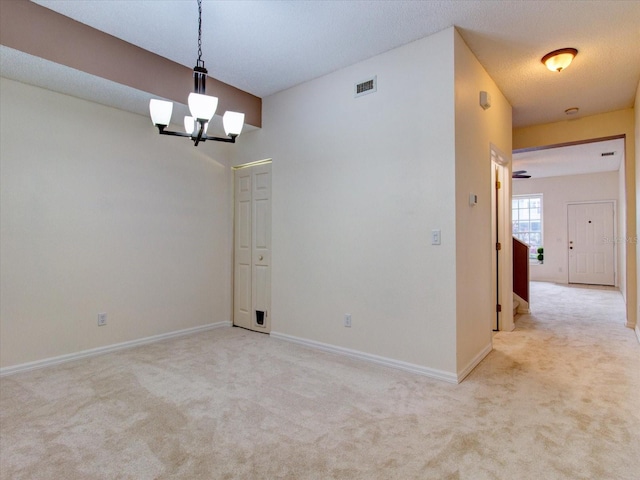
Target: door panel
[
  {"x": 262, "y": 233},
  {"x": 591, "y": 246},
  {"x": 262, "y": 246},
  {"x": 242, "y": 252},
  {"x": 243, "y": 289}
]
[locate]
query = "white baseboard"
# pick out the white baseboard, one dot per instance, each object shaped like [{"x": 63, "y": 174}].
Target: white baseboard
[
  {"x": 47, "y": 362},
  {"x": 387, "y": 362},
  {"x": 474, "y": 363}
]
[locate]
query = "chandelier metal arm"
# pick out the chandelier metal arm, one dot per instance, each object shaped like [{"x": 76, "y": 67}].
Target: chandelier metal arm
[
  {"x": 162, "y": 131},
  {"x": 200, "y": 137},
  {"x": 229, "y": 139}
]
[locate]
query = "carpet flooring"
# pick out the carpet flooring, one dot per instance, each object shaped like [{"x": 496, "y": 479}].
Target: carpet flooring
[{"x": 558, "y": 398}]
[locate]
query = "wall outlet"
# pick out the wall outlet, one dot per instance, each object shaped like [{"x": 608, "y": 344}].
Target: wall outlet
[
  {"x": 347, "y": 319},
  {"x": 102, "y": 319}
]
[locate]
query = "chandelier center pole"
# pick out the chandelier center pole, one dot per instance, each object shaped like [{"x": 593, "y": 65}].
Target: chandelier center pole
[{"x": 199, "y": 71}]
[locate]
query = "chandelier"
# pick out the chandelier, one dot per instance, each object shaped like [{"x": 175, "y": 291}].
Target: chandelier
[{"x": 201, "y": 106}]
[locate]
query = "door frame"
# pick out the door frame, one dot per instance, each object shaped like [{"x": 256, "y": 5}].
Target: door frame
[
  {"x": 235, "y": 168},
  {"x": 502, "y": 260}
]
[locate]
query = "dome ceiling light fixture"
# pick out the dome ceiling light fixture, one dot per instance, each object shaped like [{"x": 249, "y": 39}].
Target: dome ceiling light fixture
[
  {"x": 201, "y": 106},
  {"x": 572, "y": 111},
  {"x": 558, "y": 60}
]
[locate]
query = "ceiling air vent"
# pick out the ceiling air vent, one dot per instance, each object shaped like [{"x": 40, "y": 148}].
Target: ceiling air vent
[
  {"x": 365, "y": 87},
  {"x": 607, "y": 154}
]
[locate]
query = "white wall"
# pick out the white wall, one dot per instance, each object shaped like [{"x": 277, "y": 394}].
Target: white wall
[
  {"x": 101, "y": 214},
  {"x": 621, "y": 225},
  {"x": 557, "y": 193},
  {"x": 358, "y": 184},
  {"x": 476, "y": 130}
]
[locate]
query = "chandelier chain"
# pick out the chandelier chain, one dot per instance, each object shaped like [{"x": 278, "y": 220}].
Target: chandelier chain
[{"x": 200, "y": 62}]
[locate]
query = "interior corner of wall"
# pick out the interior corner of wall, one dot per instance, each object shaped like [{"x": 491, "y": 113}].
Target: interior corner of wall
[{"x": 475, "y": 361}]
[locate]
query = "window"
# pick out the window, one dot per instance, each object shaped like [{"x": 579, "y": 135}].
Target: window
[{"x": 527, "y": 222}]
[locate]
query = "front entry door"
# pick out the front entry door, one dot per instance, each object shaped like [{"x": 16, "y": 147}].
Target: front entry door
[
  {"x": 252, "y": 248},
  {"x": 591, "y": 243}
]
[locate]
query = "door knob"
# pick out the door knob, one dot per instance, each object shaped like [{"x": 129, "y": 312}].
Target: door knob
[{"x": 260, "y": 258}]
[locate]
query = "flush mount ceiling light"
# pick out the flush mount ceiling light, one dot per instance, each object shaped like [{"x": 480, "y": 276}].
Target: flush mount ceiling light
[
  {"x": 572, "y": 111},
  {"x": 558, "y": 60},
  {"x": 201, "y": 106}
]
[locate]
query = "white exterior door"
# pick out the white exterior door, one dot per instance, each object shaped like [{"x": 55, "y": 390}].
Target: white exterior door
[
  {"x": 252, "y": 248},
  {"x": 591, "y": 243}
]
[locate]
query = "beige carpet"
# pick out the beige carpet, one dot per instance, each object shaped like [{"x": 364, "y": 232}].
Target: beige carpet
[{"x": 557, "y": 398}]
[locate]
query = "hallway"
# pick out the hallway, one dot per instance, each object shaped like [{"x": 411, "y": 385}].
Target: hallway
[{"x": 573, "y": 370}]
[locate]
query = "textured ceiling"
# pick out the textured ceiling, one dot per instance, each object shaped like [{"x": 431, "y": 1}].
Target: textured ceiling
[
  {"x": 43, "y": 73},
  {"x": 571, "y": 160},
  {"x": 263, "y": 47}
]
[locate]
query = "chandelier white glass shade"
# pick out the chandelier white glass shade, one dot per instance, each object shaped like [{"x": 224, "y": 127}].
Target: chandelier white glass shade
[
  {"x": 233, "y": 122},
  {"x": 190, "y": 125},
  {"x": 160, "y": 111},
  {"x": 202, "y": 107}
]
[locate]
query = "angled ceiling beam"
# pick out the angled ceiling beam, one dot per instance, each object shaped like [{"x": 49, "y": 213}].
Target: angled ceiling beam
[{"x": 41, "y": 32}]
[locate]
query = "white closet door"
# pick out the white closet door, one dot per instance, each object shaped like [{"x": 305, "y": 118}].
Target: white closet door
[{"x": 252, "y": 265}]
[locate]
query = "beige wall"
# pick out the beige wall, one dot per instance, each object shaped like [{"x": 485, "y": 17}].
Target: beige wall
[
  {"x": 100, "y": 214},
  {"x": 358, "y": 185},
  {"x": 476, "y": 130},
  {"x": 620, "y": 122},
  {"x": 557, "y": 193},
  {"x": 103, "y": 215}
]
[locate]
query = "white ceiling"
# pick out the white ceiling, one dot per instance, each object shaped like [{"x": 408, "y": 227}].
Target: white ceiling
[
  {"x": 571, "y": 160},
  {"x": 266, "y": 46}
]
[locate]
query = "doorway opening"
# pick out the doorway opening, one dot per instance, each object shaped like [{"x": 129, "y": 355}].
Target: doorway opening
[{"x": 583, "y": 181}]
